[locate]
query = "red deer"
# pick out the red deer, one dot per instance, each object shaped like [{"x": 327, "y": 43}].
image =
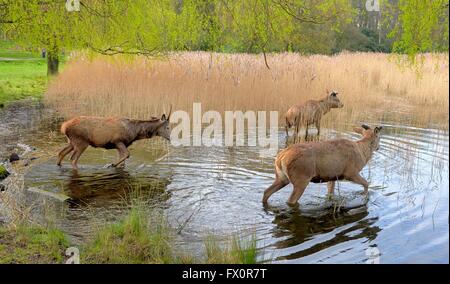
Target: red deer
[
  {"x": 310, "y": 112},
  {"x": 109, "y": 133},
  {"x": 325, "y": 161}
]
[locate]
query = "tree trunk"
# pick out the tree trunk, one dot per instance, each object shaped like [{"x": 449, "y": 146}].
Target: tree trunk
[{"x": 52, "y": 63}]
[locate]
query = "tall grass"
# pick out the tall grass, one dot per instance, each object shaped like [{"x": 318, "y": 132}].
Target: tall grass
[
  {"x": 372, "y": 86},
  {"x": 131, "y": 240},
  {"x": 236, "y": 250}
]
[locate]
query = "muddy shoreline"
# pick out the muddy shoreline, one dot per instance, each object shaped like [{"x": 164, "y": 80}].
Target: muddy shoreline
[{"x": 20, "y": 121}]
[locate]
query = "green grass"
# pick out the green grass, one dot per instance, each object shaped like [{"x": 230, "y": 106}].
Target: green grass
[
  {"x": 132, "y": 240},
  {"x": 142, "y": 236},
  {"x": 145, "y": 237},
  {"x": 237, "y": 251},
  {"x": 30, "y": 244},
  {"x": 9, "y": 49},
  {"x": 23, "y": 74},
  {"x": 3, "y": 173}
]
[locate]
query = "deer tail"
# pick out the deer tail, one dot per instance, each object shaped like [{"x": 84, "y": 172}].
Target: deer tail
[
  {"x": 281, "y": 169},
  {"x": 64, "y": 128}
]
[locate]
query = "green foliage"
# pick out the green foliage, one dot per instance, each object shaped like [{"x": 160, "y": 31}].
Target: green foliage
[
  {"x": 422, "y": 27},
  {"x": 29, "y": 244},
  {"x": 36, "y": 25},
  {"x": 153, "y": 27}
]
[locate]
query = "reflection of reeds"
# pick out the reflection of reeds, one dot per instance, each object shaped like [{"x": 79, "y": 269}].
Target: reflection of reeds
[{"x": 372, "y": 86}]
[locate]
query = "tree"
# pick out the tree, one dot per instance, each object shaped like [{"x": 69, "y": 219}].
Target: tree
[
  {"x": 422, "y": 27},
  {"x": 143, "y": 27},
  {"x": 153, "y": 27},
  {"x": 39, "y": 24}
]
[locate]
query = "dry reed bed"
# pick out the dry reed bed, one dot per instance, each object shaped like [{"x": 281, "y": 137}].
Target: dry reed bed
[{"x": 373, "y": 87}]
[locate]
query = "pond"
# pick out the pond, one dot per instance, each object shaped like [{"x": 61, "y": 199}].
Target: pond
[{"x": 218, "y": 190}]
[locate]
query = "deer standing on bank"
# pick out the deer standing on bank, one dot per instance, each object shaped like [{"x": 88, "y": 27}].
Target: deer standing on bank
[
  {"x": 310, "y": 113},
  {"x": 109, "y": 133},
  {"x": 325, "y": 161}
]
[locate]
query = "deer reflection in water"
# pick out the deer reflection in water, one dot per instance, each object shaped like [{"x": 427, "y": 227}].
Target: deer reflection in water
[
  {"x": 295, "y": 226},
  {"x": 115, "y": 185}
]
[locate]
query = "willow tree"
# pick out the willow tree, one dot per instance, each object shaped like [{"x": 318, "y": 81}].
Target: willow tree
[
  {"x": 152, "y": 27},
  {"x": 422, "y": 26},
  {"x": 143, "y": 27},
  {"x": 39, "y": 24}
]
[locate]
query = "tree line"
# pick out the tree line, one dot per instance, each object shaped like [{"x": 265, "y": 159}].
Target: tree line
[{"x": 153, "y": 27}]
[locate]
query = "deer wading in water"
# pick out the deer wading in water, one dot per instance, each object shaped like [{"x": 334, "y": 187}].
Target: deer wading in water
[
  {"x": 109, "y": 133},
  {"x": 324, "y": 161},
  {"x": 310, "y": 113}
]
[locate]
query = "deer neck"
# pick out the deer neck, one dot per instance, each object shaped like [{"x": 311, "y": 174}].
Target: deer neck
[
  {"x": 365, "y": 149},
  {"x": 324, "y": 107},
  {"x": 145, "y": 129}
]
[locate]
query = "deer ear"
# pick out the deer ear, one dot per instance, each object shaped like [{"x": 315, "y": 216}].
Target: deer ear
[
  {"x": 366, "y": 127},
  {"x": 377, "y": 129},
  {"x": 163, "y": 117},
  {"x": 358, "y": 130}
]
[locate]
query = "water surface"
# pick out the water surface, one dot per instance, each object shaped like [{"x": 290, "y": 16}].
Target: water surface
[{"x": 205, "y": 190}]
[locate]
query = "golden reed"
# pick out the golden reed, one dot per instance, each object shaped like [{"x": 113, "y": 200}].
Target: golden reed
[{"x": 372, "y": 86}]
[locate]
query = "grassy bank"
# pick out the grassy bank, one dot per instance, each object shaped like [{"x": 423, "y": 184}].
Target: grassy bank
[
  {"x": 32, "y": 244},
  {"x": 137, "y": 238},
  {"x": 373, "y": 87},
  {"x": 22, "y": 74},
  {"x": 145, "y": 237}
]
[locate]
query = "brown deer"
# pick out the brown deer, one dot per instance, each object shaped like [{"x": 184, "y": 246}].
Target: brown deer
[
  {"x": 109, "y": 133},
  {"x": 326, "y": 161},
  {"x": 309, "y": 113}
]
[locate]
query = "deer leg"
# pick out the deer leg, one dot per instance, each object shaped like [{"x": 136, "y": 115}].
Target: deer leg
[
  {"x": 123, "y": 153},
  {"x": 276, "y": 186},
  {"x": 297, "y": 128},
  {"x": 360, "y": 180},
  {"x": 330, "y": 187},
  {"x": 318, "y": 127},
  {"x": 299, "y": 187},
  {"x": 286, "y": 127},
  {"x": 306, "y": 132},
  {"x": 66, "y": 150},
  {"x": 79, "y": 149},
  {"x": 287, "y": 133}
]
